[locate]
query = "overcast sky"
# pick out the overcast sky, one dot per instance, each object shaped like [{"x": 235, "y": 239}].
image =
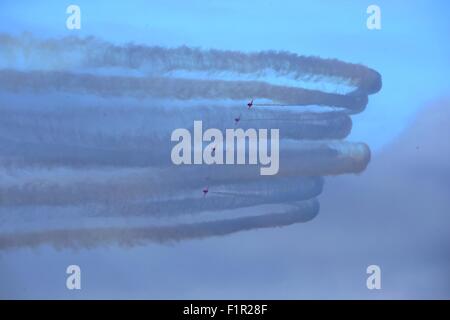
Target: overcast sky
[{"x": 394, "y": 214}]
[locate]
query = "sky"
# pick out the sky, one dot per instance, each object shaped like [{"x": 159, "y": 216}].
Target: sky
[
  {"x": 323, "y": 258},
  {"x": 410, "y": 51}
]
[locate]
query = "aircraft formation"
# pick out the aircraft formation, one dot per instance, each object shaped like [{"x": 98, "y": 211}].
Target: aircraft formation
[{"x": 236, "y": 122}]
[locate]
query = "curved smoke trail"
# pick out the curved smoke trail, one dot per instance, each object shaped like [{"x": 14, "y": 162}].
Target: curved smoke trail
[
  {"x": 295, "y": 212},
  {"x": 86, "y": 124},
  {"x": 94, "y": 53}
]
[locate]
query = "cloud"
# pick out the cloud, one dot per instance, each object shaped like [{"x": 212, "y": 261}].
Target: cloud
[{"x": 399, "y": 209}]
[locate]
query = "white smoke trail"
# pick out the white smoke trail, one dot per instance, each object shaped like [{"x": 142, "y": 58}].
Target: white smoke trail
[
  {"x": 291, "y": 213},
  {"x": 96, "y": 135},
  {"x": 53, "y": 185},
  {"x": 73, "y": 53},
  {"x": 180, "y": 89}
]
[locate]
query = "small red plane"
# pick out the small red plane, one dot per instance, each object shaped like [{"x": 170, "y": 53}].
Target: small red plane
[
  {"x": 236, "y": 120},
  {"x": 205, "y": 191},
  {"x": 250, "y": 104}
]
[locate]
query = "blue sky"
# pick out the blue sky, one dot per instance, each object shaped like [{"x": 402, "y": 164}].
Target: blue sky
[
  {"x": 411, "y": 51},
  {"x": 319, "y": 259}
]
